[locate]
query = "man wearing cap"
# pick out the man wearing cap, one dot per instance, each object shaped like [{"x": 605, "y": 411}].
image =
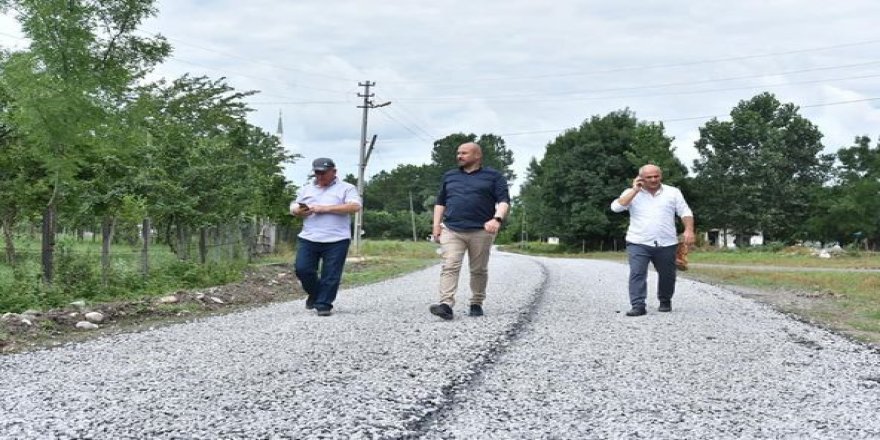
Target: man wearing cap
[{"x": 325, "y": 206}]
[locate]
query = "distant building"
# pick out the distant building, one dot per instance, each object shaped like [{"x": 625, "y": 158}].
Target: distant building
[{"x": 722, "y": 238}]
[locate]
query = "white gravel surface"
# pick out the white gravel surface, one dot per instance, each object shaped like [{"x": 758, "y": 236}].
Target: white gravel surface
[{"x": 553, "y": 358}]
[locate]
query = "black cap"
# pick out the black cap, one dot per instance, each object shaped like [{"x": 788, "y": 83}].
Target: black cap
[{"x": 323, "y": 164}]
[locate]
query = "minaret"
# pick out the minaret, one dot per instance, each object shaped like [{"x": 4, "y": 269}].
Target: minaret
[{"x": 279, "y": 132}]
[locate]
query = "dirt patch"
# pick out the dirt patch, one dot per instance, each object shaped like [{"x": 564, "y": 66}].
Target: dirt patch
[{"x": 31, "y": 331}]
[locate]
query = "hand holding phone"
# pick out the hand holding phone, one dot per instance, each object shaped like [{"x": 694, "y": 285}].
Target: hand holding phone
[{"x": 638, "y": 183}]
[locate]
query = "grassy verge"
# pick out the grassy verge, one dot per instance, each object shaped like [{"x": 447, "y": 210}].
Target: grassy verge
[
  {"x": 195, "y": 293},
  {"x": 377, "y": 260},
  {"x": 388, "y": 259},
  {"x": 846, "y": 301}
]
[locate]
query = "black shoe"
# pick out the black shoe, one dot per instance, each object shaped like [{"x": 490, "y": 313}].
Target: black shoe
[
  {"x": 476, "y": 310},
  {"x": 441, "y": 310},
  {"x": 310, "y": 302},
  {"x": 637, "y": 311},
  {"x": 326, "y": 312},
  {"x": 665, "y": 307}
]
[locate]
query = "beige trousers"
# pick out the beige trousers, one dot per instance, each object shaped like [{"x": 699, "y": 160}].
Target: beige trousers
[{"x": 478, "y": 245}]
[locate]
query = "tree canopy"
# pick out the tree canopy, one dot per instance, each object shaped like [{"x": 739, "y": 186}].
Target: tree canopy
[
  {"x": 761, "y": 170},
  {"x": 568, "y": 192}
]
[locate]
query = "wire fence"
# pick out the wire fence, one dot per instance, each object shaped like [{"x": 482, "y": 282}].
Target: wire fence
[{"x": 146, "y": 254}]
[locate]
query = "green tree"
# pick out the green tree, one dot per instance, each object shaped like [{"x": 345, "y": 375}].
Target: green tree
[
  {"x": 187, "y": 162},
  {"x": 495, "y": 153},
  {"x": 760, "y": 170},
  {"x": 83, "y": 58},
  {"x": 263, "y": 188},
  {"x": 391, "y": 191},
  {"x": 567, "y": 194},
  {"x": 849, "y": 211}
]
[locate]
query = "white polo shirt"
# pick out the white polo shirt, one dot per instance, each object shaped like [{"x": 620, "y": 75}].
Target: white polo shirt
[
  {"x": 652, "y": 217},
  {"x": 327, "y": 227}
]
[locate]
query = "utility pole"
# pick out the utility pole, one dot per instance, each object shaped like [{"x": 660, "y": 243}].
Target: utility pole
[
  {"x": 364, "y": 157},
  {"x": 412, "y": 217}
]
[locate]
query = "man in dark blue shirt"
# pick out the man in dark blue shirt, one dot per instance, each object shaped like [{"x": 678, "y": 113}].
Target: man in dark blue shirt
[{"x": 471, "y": 205}]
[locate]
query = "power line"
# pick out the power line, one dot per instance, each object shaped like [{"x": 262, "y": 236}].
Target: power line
[
  {"x": 225, "y": 71},
  {"x": 409, "y": 115},
  {"x": 251, "y": 60},
  {"x": 650, "y": 66},
  {"x": 649, "y": 86},
  {"x": 405, "y": 126},
  {"x": 512, "y": 98},
  {"x": 666, "y": 120}
]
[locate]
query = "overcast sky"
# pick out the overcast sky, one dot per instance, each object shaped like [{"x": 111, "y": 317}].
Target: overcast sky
[{"x": 523, "y": 69}]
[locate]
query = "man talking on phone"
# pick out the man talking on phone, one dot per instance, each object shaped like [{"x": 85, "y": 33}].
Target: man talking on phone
[
  {"x": 325, "y": 207},
  {"x": 651, "y": 236}
]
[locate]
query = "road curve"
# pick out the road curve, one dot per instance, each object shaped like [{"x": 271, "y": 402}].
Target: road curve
[{"x": 553, "y": 358}]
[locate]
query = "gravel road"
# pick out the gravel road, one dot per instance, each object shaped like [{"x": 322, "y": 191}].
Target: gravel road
[{"x": 553, "y": 358}]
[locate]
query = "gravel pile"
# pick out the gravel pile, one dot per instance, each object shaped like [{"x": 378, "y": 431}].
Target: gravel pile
[{"x": 553, "y": 358}]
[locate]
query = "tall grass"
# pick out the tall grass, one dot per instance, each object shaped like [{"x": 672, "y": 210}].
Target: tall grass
[{"x": 77, "y": 275}]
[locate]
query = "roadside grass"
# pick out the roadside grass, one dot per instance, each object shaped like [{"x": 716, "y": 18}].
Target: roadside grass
[
  {"x": 78, "y": 273},
  {"x": 377, "y": 260},
  {"x": 787, "y": 257},
  {"x": 845, "y": 301},
  {"x": 848, "y": 302},
  {"x": 79, "y": 279},
  {"x": 128, "y": 302},
  {"x": 382, "y": 260}
]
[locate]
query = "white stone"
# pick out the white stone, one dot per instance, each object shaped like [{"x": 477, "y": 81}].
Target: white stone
[
  {"x": 9, "y": 316},
  {"x": 80, "y": 303},
  {"x": 95, "y": 316},
  {"x": 217, "y": 300},
  {"x": 170, "y": 299},
  {"x": 26, "y": 321},
  {"x": 86, "y": 325}
]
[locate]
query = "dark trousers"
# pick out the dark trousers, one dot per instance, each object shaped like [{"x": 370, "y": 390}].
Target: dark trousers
[
  {"x": 331, "y": 258},
  {"x": 663, "y": 258}
]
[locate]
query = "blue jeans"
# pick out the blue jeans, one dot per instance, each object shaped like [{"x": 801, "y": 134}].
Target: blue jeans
[
  {"x": 331, "y": 257},
  {"x": 663, "y": 258}
]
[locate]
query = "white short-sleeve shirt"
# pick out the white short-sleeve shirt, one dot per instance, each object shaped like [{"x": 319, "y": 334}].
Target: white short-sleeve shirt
[{"x": 327, "y": 227}]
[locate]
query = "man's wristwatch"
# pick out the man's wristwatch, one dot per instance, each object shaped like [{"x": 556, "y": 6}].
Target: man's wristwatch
[{"x": 499, "y": 220}]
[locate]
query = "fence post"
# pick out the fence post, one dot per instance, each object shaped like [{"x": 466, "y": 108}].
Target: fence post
[
  {"x": 145, "y": 251},
  {"x": 203, "y": 245}
]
